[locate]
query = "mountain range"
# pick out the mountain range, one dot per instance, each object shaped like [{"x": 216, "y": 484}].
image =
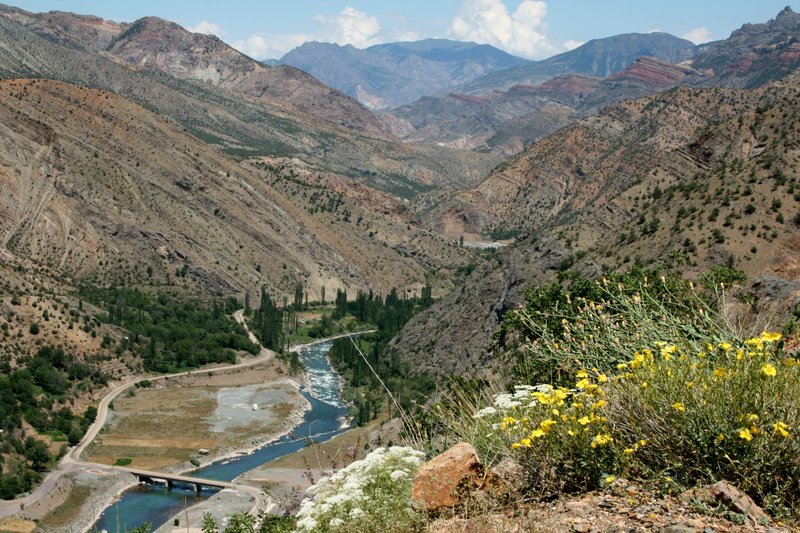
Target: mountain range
[
  {"x": 688, "y": 178},
  {"x": 143, "y": 154},
  {"x": 507, "y": 110},
  {"x": 393, "y": 74}
]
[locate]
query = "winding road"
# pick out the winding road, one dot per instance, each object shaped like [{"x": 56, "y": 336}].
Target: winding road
[{"x": 71, "y": 461}]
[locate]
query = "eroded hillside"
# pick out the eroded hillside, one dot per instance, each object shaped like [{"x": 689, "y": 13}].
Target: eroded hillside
[
  {"x": 690, "y": 178},
  {"x": 96, "y": 187}
]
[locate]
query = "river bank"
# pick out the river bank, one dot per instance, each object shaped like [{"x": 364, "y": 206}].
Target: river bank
[{"x": 105, "y": 487}]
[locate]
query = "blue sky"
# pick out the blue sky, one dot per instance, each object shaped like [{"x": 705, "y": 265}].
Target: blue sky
[{"x": 530, "y": 28}]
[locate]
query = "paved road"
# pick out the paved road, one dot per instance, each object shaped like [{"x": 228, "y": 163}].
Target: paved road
[{"x": 71, "y": 461}]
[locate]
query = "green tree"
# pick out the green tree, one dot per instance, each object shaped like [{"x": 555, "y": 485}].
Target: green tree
[{"x": 36, "y": 452}]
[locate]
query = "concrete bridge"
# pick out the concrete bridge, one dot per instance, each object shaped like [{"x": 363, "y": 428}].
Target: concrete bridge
[{"x": 170, "y": 479}]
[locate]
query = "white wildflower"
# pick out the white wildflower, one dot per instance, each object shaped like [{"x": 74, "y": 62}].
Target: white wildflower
[
  {"x": 398, "y": 474},
  {"x": 486, "y": 411}
]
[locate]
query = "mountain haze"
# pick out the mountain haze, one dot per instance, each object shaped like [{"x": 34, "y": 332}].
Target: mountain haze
[
  {"x": 599, "y": 58},
  {"x": 505, "y": 111},
  {"x": 392, "y": 74}
]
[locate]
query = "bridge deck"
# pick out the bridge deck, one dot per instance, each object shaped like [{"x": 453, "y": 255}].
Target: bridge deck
[{"x": 179, "y": 478}]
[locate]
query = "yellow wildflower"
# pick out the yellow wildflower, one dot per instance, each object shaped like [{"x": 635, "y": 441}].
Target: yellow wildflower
[
  {"x": 642, "y": 442},
  {"x": 508, "y": 422},
  {"x": 745, "y": 434},
  {"x": 609, "y": 480},
  {"x": 599, "y": 404},
  {"x": 583, "y": 384},
  {"x": 582, "y": 374},
  {"x": 720, "y": 373},
  {"x": 526, "y": 443},
  {"x": 721, "y": 437},
  {"x": 689, "y": 384},
  {"x": 602, "y": 440},
  {"x": 725, "y": 346},
  {"x": 769, "y": 370},
  {"x": 622, "y": 366},
  {"x": 584, "y": 420},
  {"x": 669, "y": 351},
  {"x": 537, "y": 433},
  {"x": 752, "y": 417},
  {"x": 602, "y": 378},
  {"x": 770, "y": 337},
  {"x": 755, "y": 341},
  {"x": 781, "y": 429},
  {"x": 678, "y": 406},
  {"x": 629, "y": 450},
  {"x": 547, "y": 425}
]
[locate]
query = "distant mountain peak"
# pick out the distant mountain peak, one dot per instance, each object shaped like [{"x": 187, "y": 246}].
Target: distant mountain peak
[
  {"x": 391, "y": 74},
  {"x": 786, "y": 13}
]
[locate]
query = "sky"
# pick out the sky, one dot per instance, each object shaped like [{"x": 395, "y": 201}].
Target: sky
[{"x": 533, "y": 29}]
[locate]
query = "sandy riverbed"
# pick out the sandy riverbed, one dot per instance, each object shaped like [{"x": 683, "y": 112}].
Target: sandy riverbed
[{"x": 162, "y": 428}]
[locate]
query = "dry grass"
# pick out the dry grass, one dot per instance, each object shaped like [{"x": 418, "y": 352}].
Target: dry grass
[
  {"x": 69, "y": 511},
  {"x": 160, "y": 428},
  {"x": 336, "y": 452}
]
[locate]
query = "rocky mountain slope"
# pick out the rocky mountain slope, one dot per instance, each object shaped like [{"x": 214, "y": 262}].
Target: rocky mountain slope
[
  {"x": 393, "y": 74},
  {"x": 599, "y": 58},
  {"x": 158, "y": 45},
  {"x": 689, "y": 177},
  {"x": 506, "y": 122},
  {"x": 242, "y": 126},
  {"x": 755, "y": 53},
  {"x": 507, "y": 110},
  {"x": 102, "y": 190}
]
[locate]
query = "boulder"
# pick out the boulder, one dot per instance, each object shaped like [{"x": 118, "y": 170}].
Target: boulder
[
  {"x": 731, "y": 497},
  {"x": 446, "y": 480}
]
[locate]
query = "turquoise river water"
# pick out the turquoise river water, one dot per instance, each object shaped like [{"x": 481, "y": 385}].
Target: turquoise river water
[{"x": 154, "y": 504}]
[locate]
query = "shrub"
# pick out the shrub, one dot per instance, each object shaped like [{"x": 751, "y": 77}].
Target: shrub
[
  {"x": 730, "y": 411},
  {"x": 598, "y": 322},
  {"x": 373, "y": 494}
]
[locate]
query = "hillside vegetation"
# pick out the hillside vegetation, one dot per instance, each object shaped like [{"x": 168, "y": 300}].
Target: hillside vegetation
[{"x": 692, "y": 178}]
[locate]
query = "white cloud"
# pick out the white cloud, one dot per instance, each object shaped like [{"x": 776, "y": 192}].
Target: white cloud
[
  {"x": 206, "y": 27},
  {"x": 270, "y": 47},
  {"x": 655, "y": 30},
  {"x": 523, "y": 32},
  {"x": 350, "y": 26},
  {"x": 572, "y": 44},
  {"x": 698, "y": 35}
]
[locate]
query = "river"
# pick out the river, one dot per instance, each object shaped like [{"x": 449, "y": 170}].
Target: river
[{"x": 154, "y": 504}]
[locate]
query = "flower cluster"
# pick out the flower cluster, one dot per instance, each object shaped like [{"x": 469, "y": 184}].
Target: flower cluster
[
  {"x": 654, "y": 412},
  {"x": 714, "y": 373},
  {"x": 365, "y": 493}
]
